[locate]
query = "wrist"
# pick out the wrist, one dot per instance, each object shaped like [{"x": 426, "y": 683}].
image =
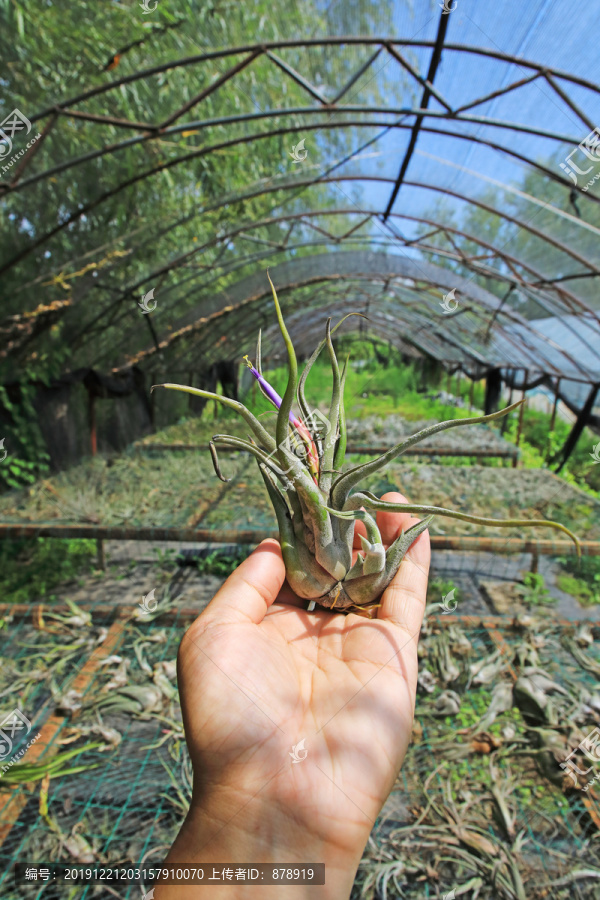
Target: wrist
[{"x": 235, "y": 830}]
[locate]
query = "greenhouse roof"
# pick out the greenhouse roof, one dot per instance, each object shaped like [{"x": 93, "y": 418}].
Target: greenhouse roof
[{"x": 437, "y": 169}]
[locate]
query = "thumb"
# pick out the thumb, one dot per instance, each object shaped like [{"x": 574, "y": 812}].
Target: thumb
[{"x": 251, "y": 589}]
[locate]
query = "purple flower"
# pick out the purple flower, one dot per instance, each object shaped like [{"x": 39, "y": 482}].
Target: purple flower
[{"x": 270, "y": 392}]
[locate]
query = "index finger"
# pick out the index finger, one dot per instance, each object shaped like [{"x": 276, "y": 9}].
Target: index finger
[
  {"x": 390, "y": 524},
  {"x": 404, "y": 600}
]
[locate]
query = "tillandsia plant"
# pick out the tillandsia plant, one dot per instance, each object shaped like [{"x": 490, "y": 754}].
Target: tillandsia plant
[{"x": 313, "y": 498}]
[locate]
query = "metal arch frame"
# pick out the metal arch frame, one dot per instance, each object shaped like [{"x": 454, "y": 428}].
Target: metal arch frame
[
  {"x": 286, "y": 278},
  {"x": 407, "y": 305},
  {"x": 227, "y": 236},
  {"x": 402, "y": 310},
  {"x": 373, "y": 214},
  {"x": 164, "y": 166},
  {"x": 267, "y": 47},
  {"x": 266, "y": 50}
]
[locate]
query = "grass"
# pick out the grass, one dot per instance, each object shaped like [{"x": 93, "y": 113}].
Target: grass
[
  {"x": 222, "y": 562},
  {"x": 581, "y": 580},
  {"x": 407, "y": 399},
  {"x": 534, "y": 591},
  {"x": 32, "y": 568}
]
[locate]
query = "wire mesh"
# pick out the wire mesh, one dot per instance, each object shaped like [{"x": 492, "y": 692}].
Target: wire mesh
[{"x": 128, "y": 810}]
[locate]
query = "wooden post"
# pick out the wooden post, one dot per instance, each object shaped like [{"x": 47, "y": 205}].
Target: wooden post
[
  {"x": 100, "y": 554},
  {"x": 521, "y": 410},
  {"x": 552, "y": 420},
  {"x": 448, "y": 379},
  {"x": 535, "y": 560},
  {"x": 471, "y": 393},
  {"x": 458, "y": 380}
]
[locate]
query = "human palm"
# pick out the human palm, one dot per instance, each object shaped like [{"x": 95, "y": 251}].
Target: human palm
[{"x": 259, "y": 675}]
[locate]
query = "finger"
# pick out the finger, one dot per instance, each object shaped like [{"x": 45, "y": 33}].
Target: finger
[
  {"x": 403, "y": 601},
  {"x": 251, "y": 589},
  {"x": 359, "y": 528},
  {"x": 390, "y": 524}
]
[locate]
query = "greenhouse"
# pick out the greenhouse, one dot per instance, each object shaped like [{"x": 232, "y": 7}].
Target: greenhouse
[{"x": 300, "y": 449}]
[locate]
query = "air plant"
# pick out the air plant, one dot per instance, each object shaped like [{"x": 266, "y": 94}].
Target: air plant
[{"x": 313, "y": 498}]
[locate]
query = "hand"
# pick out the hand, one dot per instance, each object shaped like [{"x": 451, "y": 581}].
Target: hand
[{"x": 258, "y": 674}]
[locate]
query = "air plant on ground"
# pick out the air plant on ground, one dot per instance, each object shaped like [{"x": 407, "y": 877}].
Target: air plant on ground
[{"x": 313, "y": 498}]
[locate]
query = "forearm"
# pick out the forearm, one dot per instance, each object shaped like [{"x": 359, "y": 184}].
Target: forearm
[{"x": 213, "y": 835}]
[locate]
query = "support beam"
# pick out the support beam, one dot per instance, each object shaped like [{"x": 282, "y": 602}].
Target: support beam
[
  {"x": 493, "y": 387},
  {"x": 253, "y": 536},
  {"x": 553, "y": 419},
  {"x": 580, "y": 423},
  {"x": 521, "y": 412},
  {"x": 433, "y": 65}
]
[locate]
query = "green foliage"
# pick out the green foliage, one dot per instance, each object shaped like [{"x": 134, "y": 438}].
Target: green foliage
[
  {"x": 534, "y": 591},
  {"x": 166, "y": 558},
  {"x": 218, "y": 562},
  {"x": 32, "y": 568},
  {"x": 106, "y": 224},
  {"x": 27, "y": 456},
  {"x": 222, "y": 563},
  {"x": 580, "y": 588},
  {"x": 581, "y": 578},
  {"x": 440, "y": 587},
  {"x": 585, "y": 567}
]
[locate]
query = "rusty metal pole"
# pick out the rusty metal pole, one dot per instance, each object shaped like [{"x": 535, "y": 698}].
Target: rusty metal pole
[
  {"x": 521, "y": 410},
  {"x": 510, "y": 396},
  {"x": 552, "y": 420}
]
